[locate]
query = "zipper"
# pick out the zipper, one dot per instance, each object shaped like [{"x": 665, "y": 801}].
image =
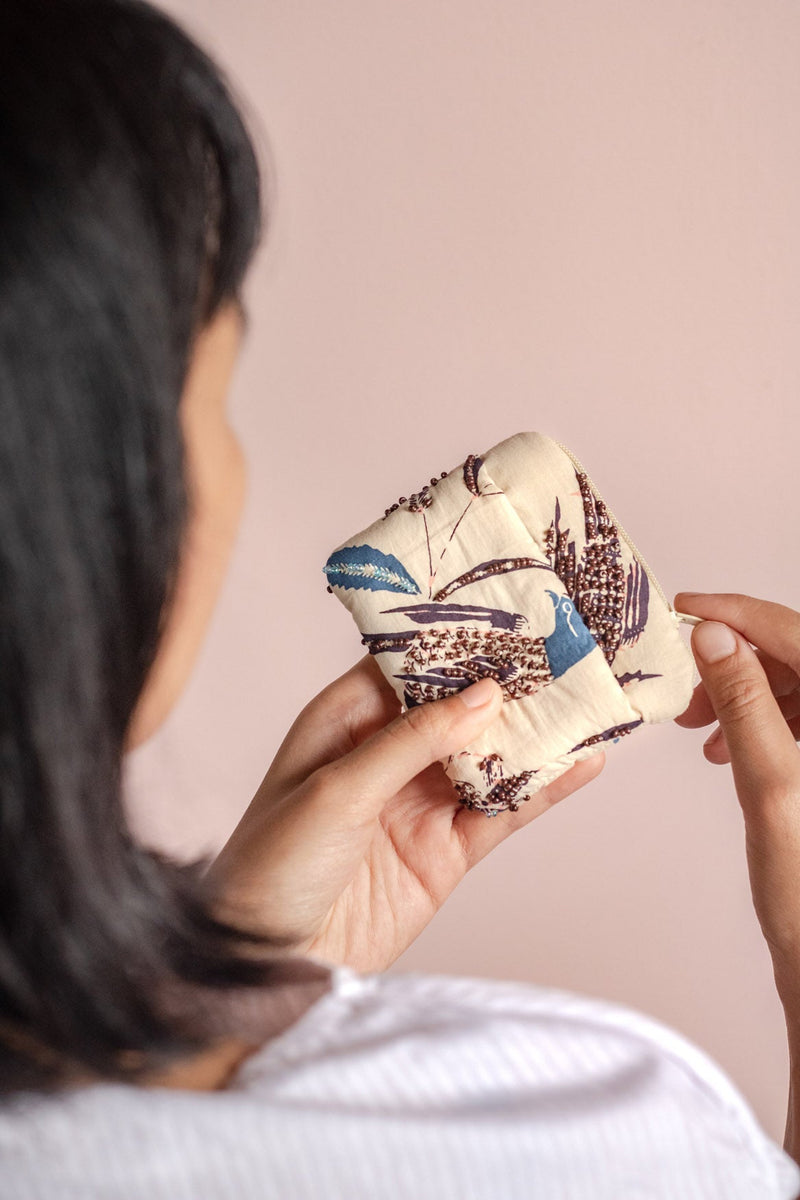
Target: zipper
[{"x": 677, "y": 616}]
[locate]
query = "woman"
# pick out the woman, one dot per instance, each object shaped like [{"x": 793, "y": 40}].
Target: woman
[{"x": 222, "y": 1028}]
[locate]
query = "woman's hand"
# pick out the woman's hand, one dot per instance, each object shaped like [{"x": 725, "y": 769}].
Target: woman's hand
[
  {"x": 755, "y": 694},
  {"x": 356, "y": 837}
]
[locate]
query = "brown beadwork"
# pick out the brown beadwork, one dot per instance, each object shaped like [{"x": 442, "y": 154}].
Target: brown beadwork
[
  {"x": 597, "y": 585},
  {"x": 417, "y": 501},
  {"x": 498, "y": 566},
  {"x": 617, "y": 732},
  {"x": 472, "y": 466},
  {"x": 518, "y": 662},
  {"x": 503, "y": 797}
]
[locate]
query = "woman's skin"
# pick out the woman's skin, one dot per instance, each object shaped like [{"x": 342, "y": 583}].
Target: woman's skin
[
  {"x": 217, "y": 473},
  {"x": 355, "y": 837},
  {"x": 754, "y": 691}
]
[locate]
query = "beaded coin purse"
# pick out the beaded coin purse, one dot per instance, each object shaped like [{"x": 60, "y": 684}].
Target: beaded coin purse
[{"x": 512, "y": 565}]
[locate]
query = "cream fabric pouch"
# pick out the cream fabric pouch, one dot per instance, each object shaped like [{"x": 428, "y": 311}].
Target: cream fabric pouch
[{"x": 512, "y": 565}]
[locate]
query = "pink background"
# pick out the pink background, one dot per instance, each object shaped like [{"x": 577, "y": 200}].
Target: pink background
[{"x": 576, "y": 217}]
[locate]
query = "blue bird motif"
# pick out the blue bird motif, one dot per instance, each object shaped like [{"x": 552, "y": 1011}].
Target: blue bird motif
[{"x": 570, "y": 641}]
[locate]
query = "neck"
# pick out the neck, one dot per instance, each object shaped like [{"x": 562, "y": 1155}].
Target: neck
[
  {"x": 244, "y": 1021},
  {"x": 210, "y": 1071}
]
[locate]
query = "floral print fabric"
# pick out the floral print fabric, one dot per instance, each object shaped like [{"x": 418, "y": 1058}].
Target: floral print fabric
[{"x": 511, "y": 565}]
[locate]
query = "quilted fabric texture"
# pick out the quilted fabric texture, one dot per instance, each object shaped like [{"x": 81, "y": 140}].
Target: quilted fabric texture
[{"x": 512, "y": 565}]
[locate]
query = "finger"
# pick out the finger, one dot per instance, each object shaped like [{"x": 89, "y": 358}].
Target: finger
[
  {"x": 371, "y": 774},
  {"x": 478, "y": 835},
  {"x": 344, "y": 713},
  {"x": 715, "y": 748},
  {"x": 764, "y": 756},
  {"x": 773, "y": 628},
  {"x": 700, "y": 711}
]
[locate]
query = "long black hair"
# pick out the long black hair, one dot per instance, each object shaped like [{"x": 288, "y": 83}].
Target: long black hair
[{"x": 129, "y": 212}]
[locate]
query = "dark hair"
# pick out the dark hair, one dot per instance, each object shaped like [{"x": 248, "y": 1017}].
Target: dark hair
[{"x": 129, "y": 212}]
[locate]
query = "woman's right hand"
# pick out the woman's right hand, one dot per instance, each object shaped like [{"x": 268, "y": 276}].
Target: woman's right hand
[{"x": 755, "y": 696}]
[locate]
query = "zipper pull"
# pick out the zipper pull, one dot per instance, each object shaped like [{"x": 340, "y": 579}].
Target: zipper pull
[{"x": 679, "y": 616}]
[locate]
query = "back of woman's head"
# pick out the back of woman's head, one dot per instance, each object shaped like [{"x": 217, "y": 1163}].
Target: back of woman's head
[{"x": 129, "y": 211}]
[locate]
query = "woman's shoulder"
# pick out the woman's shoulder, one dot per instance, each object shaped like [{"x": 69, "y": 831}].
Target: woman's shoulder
[
  {"x": 571, "y": 1067},
  {"x": 362, "y": 1007},
  {"x": 414, "y": 1084}
]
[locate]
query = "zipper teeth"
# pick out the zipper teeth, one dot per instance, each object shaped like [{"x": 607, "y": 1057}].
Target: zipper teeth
[{"x": 620, "y": 529}]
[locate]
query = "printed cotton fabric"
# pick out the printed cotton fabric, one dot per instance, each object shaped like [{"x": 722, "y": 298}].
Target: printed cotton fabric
[{"x": 511, "y": 565}]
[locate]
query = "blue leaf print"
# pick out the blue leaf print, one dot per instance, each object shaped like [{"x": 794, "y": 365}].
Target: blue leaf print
[{"x": 366, "y": 567}]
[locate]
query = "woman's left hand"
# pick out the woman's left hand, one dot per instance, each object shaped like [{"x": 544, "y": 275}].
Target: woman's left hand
[{"x": 356, "y": 836}]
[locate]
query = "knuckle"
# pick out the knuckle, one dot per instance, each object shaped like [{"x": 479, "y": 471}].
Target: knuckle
[
  {"x": 426, "y": 721},
  {"x": 784, "y": 619},
  {"x": 324, "y": 779},
  {"x": 738, "y": 698}
]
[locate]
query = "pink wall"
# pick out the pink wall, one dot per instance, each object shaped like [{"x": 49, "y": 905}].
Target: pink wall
[{"x": 580, "y": 218}]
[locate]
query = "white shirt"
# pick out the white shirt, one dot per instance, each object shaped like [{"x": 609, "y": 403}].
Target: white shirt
[{"x": 431, "y": 1087}]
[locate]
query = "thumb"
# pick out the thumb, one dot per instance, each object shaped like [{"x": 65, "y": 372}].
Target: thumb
[
  {"x": 761, "y": 745},
  {"x": 372, "y": 773}
]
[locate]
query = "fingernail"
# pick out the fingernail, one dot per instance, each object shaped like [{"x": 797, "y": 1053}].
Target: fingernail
[
  {"x": 478, "y": 693},
  {"x": 715, "y": 737},
  {"x": 713, "y": 641}
]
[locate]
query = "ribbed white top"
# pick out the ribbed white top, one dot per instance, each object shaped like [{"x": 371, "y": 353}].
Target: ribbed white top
[{"x": 416, "y": 1086}]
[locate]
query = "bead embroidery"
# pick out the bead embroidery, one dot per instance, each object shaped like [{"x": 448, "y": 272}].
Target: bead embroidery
[
  {"x": 604, "y": 606},
  {"x": 421, "y": 499}
]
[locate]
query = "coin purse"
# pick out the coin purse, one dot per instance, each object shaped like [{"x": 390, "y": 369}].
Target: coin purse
[{"x": 512, "y": 565}]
